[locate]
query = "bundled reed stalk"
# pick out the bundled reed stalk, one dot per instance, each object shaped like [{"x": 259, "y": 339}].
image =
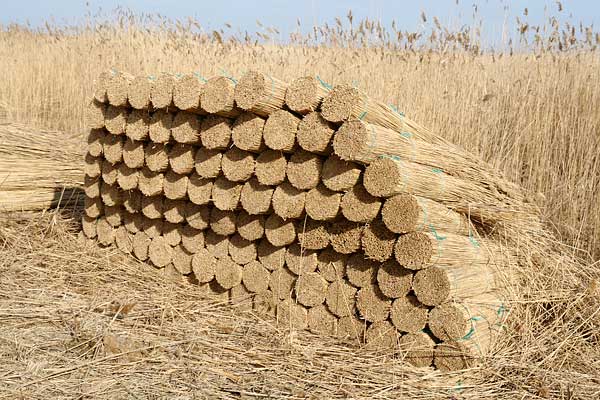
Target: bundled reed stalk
[
  {"x": 38, "y": 174},
  {"x": 218, "y": 96},
  {"x": 405, "y": 213},
  {"x": 162, "y": 90},
  {"x": 139, "y": 91},
  {"x": 305, "y": 94},
  {"x": 468, "y": 329},
  {"x": 388, "y": 176},
  {"x": 187, "y": 91},
  {"x": 260, "y": 94},
  {"x": 315, "y": 133},
  {"x": 117, "y": 87},
  {"x": 280, "y": 129}
]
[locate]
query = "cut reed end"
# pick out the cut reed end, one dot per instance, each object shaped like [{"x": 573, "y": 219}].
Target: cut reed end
[
  {"x": 280, "y": 129},
  {"x": 138, "y": 124},
  {"x": 186, "y": 127},
  {"x": 100, "y": 84},
  {"x": 156, "y": 156},
  {"x": 160, "y": 127},
  {"x": 270, "y": 167},
  {"x": 341, "y": 298},
  {"x": 153, "y": 207},
  {"x": 360, "y": 271},
  {"x": 242, "y": 251},
  {"x": 360, "y": 206},
  {"x": 94, "y": 115},
  {"x": 223, "y": 222},
  {"x": 351, "y": 140},
  {"x": 378, "y": 241},
  {"x": 315, "y": 133},
  {"x": 133, "y": 153},
  {"x": 141, "y": 243},
  {"x": 251, "y": 88},
  {"x": 226, "y": 194},
  {"x": 160, "y": 252},
  {"x": 111, "y": 195},
  {"x": 204, "y": 265},
  {"x": 182, "y": 158},
  {"x": 383, "y": 177},
  {"x": 216, "y": 132},
  {"x": 339, "y": 175},
  {"x": 153, "y": 227},
  {"x": 175, "y": 185},
  {"x": 400, "y": 213},
  {"x": 279, "y": 231},
  {"x": 186, "y": 92},
  {"x": 256, "y": 277},
  {"x": 282, "y": 283},
  {"x": 218, "y": 95},
  {"x": 256, "y": 198},
  {"x": 288, "y": 201},
  {"x": 150, "y": 183},
  {"x": 339, "y": 104},
  {"x": 112, "y": 148},
  {"x": 393, "y": 280},
  {"x": 182, "y": 260},
  {"x": 138, "y": 93},
  {"x": 132, "y": 201},
  {"x": 351, "y": 328},
  {"x": 110, "y": 172},
  {"x": 345, "y": 236},
  {"x": 271, "y": 257},
  {"x": 447, "y": 322},
  {"x": 198, "y": 217},
  {"x": 381, "y": 336},
  {"x": 237, "y": 165},
  {"x": 313, "y": 234},
  {"x": 162, "y": 91},
  {"x": 322, "y": 203},
  {"x": 208, "y": 162},
  {"x": 174, "y": 210},
  {"x": 247, "y": 132},
  {"x": 452, "y": 356},
  {"x": 228, "y": 274},
  {"x": 292, "y": 315},
  {"x": 117, "y": 87},
  {"x": 304, "y": 170},
  {"x": 418, "y": 349},
  {"x": 250, "y": 227},
  {"x": 199, "y": 189},
  {"x": 322, "y": 321},
  {"x": 408, "y": 314},
  {"x": 88, "y": 225},
  {"x": 127, "y": 178},
  {"x": 332, "y": 265},
  {"x": 311, "y": 289},
  {"x": 431, "y": 286},
  {"x": 299, "y": 260},
  {"x": 304, "y": 94},
  {"x": 414, "y": 250},
  {"x": 372, "y": 304}
]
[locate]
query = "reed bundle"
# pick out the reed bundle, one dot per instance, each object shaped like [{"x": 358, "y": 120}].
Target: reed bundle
[
  {"x": 260, "y": 94},
  {"x": 36, "y": 173},
  {"x": 117, "y": 87},
  {"x": 315, "y": 133},
  {"x": 279, "y": 132},
  {"x": 305, "y": 94},
  {"x": 187, "y": 91},
  {"x": 161, "y": 93},
  {"x": 139, "y": 91},
  {"x": 218, "y": 96}
]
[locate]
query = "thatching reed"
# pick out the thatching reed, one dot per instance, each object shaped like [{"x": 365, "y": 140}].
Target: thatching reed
[
  {"x": 304, "y": 170},
  {"x": 288, "y": 202},
  {"x": 315, "y": 134},
  {"x": 270, "y": 167},
  {"x": 340, "y": 175},
  {"x": 305, "y": 94},
  {"x": 161, "y": 124},
  {"x": 138, "y": 93},
  {"x": 358, "y": 205},
  {"x": 247, "y": 132},
  {"x": 217, "y": 96},
  {"x": 37, "y": 173},
  {"x": 186, "y": 127},
  {"x": 117, "y": 87},
  {"x": 208, "y": 162},
  {"x": 260, "y": 94},
  {"x": 279, "y": 132},
  {"x": 216, "y": 132},
  {"x": 115, "y": 119},
  {"x": 250, "y": 227},
  {"x": 226, "y": 194},
  {"x": 138, "y": 124},
  {"x": 187, "y": 91},
  {"x": 256, "y": 198},
  {"x": 238, "y": 165},
  {"x": 322, "y": 204},
  {"x": 162, "y": 90}
]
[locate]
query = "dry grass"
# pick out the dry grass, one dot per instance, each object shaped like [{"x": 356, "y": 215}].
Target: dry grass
[{"x": 80, "y": 322}]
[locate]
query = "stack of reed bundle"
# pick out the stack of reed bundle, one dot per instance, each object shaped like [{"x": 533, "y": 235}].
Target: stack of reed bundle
[{"x": 253, "y": 190}]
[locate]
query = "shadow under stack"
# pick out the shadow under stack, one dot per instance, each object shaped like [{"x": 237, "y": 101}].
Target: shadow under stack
[{"x": 319, "y": 206}]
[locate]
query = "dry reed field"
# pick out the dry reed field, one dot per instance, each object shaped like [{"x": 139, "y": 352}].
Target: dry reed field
[{"x": 78, "y": 321}]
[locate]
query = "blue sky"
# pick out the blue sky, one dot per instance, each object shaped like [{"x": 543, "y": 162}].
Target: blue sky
[{"x": 283, "y": 13}]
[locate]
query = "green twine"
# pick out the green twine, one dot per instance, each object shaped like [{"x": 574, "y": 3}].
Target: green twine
[
  {"x": 197, "y": 75},
  {"x": 323, "y": 83}
]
